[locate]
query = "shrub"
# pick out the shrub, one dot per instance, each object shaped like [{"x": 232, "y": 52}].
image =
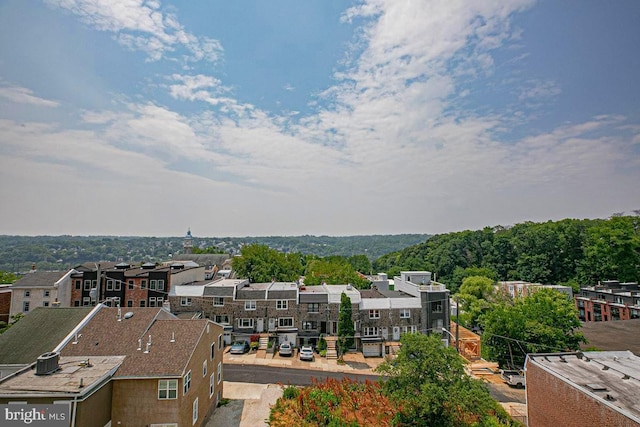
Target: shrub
[{"x": 290, "y": 392}]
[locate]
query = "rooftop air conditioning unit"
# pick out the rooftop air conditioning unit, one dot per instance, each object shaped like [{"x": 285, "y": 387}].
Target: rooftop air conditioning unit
[{"x": 47, "y": 363}]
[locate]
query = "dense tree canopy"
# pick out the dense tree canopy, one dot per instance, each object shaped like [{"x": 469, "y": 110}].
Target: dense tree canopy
[
  {"x": 332, "y": 271},
  {"x": 434, "y": 390},
  {"x": 259, "y": 264},
  {"x": 570, "y": 251},
  {"x": 546, "y": 321}
]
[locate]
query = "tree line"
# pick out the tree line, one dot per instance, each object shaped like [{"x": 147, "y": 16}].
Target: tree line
[{"x": 571, "y": 252}]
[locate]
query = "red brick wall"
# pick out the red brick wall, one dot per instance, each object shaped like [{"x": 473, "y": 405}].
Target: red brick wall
[
  {"x": 5, "y": 306},
  {"x": 552, "y": 402}
]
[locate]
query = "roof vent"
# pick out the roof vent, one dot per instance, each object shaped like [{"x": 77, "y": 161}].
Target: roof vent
[
  {"x": 128, "y": 315},
  {"x": 47, "y": 363}
]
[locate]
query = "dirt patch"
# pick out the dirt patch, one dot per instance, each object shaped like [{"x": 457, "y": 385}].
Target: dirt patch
[{"x": 228, "y": 415}]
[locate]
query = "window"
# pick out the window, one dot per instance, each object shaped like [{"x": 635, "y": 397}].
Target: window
[
  {"x": 76, "y": 303},
  {"x": 27, "y": 294},
  {"x": 47, "y": 293},
  {"x": 436, "y": 307},
  {"x": 405, "y": 313},
  {"x": 152, "y": 284},
  {"x": 437, "y": 324},
  {"x": 282, "y": 304},
  {"x": 109, "y": 284},
  {"x": 25, "y": 306},
  {"x": 143, "y": 284},
  {"x": 218, "y": 302},
  {"x": 185, "y": 301},
  {"x": 160, "y": 285},
  {"x": 78, "y": 284},
  {"x": 130, "y": 303},
  {"x": 143, "y": 303},
  {"x": 370, "y": 331},
  {"x": 313, "y": 307},
  {"x": 374, "y": 314},
  {"x": 219, "y": 342},
  {"x": 309, "y": 325},
  {"x": 152, "y": 301},
  {"x": 94, "y": 284},
  {"x": 167, "y": 389},
  {"x": 45, "y": 303},
  {"x": 618, "y": 300},
  {"x": 130, "y": 284},
  {"x": 213, "y": 350},
  {"x": 212, "y": 382},
  {"x": 86, "y": 301},
  {"x": 245, "y": 323},
  {"x": 285, "y": 322},
  {"x": 116, "y": 285},
  {"x": 219, "y": 372},
  {"x": 186, "y": 383},
  {"x": 221, "y": 319},
  {"x": 87, "y": 285},
  {"x": 204, "y": 369},
  {"x": 249, "y": 305},
  {"x": 195, "y": 410}
]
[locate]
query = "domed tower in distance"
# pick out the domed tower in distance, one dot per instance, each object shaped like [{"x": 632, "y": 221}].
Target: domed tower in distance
[{"x": 187, "y": 244}]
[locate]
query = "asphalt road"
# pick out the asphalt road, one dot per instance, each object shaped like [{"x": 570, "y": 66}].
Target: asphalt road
[{"x": 275, "y": 375}]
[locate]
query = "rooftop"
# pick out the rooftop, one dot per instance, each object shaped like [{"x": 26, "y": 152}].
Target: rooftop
[
  {"x": 611, "y": 336},
  {"x": 75, "y": 377},
  {"x": 612, "y": 377},
  {"x": 39, "y": 279},
  {"x": 40, "y": 331}
]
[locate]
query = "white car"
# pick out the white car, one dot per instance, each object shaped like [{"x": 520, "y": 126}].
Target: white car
[
  {"x": 306, "y": 353},
  {"x": 285, "y": 349}
]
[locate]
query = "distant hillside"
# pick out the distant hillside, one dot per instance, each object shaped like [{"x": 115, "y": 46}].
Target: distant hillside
[
  {"x": 571, "y": 251},
  {"x": 19, "y": 253}
]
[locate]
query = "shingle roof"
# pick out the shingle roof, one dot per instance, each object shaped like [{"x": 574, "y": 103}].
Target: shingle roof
[
  {"x": 615, "y": 335},
  {"x": 40, "y": 331},
  {"x": 39, "y": 279},
  {"x": 104, "y": 335}
]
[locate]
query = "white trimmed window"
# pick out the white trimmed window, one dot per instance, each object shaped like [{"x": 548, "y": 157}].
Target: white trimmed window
[
  {"x": 309, "y": 325},
  {"x": 285, "y": 322},
  {"x": 213, "y": 350},
  {"x": 282, "y": 304},
  {"x": 219, "y": 342},
  {"x": 143, "y": 284},
  {"x": 152, "y": 284},
  {"x": 186, "y": 383},
  {"x": 167, "y": 389},
  {"x": 370, "y": 331},
  {"x": 87, "y": 285},
  {"x": 195, "y": 410},
  {"x": 249, "y": 305},
  {"x": 218, "y": 302},
  {"x": 313, "y": 307},
  {"x": 245, "y": 323},
  {"x": 374, "y": 314},
  {"x": 219, "y": 372},
  {"x": 86, "y": 301},
  {"x": 405, "y": 313},
  {"x": 25, "y": 306},
  {"x": 185, "y": 301},
  {"x": 161, "y": 285},
  {"x": 436, "y": 307},
  {"x": 212, "y": 382},
  {"x": 204, "y": 369}
]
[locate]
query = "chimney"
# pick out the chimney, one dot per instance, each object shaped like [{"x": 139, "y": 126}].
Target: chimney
[{"x": 173, "y": 337}]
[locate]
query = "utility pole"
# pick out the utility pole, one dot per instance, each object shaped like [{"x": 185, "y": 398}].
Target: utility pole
[{"x": 457, "y": 325}]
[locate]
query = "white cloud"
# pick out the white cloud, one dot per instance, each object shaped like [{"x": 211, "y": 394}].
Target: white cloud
[
  {"x": 539, "y": 89},
  {"x": 142, "y": 25},
  {"x": 23, "y": 95}
]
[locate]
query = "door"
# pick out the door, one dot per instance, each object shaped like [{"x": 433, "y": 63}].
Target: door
[
  {"x": 385, "y": 333},
  {"x": 396, "y": 333},
  {"x": 260, "y": 325},
  {"x": 272, "y": 324}
]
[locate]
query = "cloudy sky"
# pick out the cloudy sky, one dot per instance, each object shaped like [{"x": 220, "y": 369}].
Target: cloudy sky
[{"x": 289, "y": 117}]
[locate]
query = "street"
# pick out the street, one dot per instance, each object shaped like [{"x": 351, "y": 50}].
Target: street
[{"x": 274, "y": 375}]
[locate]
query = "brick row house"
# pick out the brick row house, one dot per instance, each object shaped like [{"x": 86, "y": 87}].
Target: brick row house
[
  {"x": 301, "y": 314},
  {"x": 610, "y": 300},
  {"x": 128, "y": 367},
  {"x": 127, "y": 285},
  {"x": 40, "y": 289}
]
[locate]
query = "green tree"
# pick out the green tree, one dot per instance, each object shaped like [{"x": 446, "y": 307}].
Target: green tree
[
  {"x": 8, "y": 277},
  {"x": 546, "y": 321},
  {"x": 346, "y": 331},
  {"x": 208, "y": 250},
  {"x": 14, "y": 319},
  {"x": 430, "y": 381},
  {"x": 332, "y": 271},
  {"x": 259, "y": 263},
  {"x": 360, "y": 263}
]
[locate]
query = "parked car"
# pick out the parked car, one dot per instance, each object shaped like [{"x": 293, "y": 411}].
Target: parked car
[
  {"x": 306, "y": 353},
  {"x": 514, "y": 378},
  {"x": 239, "y": 347},
  {"x": 285, "y": 349}
]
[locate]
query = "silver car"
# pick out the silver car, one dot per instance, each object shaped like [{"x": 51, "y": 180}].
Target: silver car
[
  {"x": 306, "y": 353},
  {"x": 285, "y": 349}
]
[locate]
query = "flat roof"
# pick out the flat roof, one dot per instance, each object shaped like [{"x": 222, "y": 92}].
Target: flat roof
[
  {"x": 304, "y": 289},
  {"x": 611, "y": 377},
  {"x": 66, "y": 380}
]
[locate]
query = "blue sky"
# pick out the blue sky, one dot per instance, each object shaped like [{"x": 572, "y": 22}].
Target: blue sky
[{"x": 244, "y": 118}]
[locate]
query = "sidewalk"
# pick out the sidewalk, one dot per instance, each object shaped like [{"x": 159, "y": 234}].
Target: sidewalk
[{"x": 354, "y": 363}]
